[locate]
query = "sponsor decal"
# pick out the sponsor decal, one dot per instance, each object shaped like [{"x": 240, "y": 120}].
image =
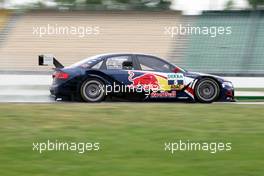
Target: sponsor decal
[
  {"x": 167, "y": 82},
  {"x": 176, "y": 81},
  {"x": 144, "y": 79},
  {"x": 149, "y": 81},
  {"x": 171, "y": 82},
  {"x": 177, "y": 87},
  {"x": 175, "y": 76},
  {"x": 163, "y": 94}
]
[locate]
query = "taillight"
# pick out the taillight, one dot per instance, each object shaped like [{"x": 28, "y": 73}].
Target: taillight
[{"x": 60, "y": 75}]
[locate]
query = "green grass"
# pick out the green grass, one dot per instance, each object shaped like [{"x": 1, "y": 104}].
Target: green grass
[{"x": 132, "y": 138}]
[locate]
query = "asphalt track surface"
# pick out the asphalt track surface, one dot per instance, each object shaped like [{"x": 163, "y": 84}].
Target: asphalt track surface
[
  {"x": 41, "y": 94},
  {"x": 35, "y": 89}
]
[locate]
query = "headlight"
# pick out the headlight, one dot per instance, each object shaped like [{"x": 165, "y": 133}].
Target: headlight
[{"x": 227, "y": 84}]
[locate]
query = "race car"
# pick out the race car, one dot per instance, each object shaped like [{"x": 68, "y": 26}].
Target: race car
[{"x": 133, "y": 77}]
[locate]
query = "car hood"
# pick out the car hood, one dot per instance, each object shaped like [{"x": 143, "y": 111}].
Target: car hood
[{"x": 197, "y": 74}]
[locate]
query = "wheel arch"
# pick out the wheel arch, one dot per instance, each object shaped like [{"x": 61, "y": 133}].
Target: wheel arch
[
  {"x": 209, "y": 77},
  {"x": 92, "y": 74},
  {"x": 96, "y": 74}
]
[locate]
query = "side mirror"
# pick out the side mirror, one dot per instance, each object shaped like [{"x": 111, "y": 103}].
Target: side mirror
[
  {"x": 127, "y": 65},
  {"x": 176, "y": 70}
]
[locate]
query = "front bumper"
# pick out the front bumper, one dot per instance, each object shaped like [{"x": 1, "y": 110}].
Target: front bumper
[{"x": 227, "y": 94}]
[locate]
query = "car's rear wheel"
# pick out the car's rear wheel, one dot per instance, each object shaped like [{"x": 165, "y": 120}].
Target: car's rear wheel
[
  {"x": 92, "y": 90},
  {"x": 207, "y": 90}
]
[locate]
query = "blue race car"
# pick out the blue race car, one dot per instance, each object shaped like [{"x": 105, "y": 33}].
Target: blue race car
[{"x": 133, "y": 77}]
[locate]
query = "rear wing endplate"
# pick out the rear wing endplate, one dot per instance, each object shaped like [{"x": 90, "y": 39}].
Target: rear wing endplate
[{"x": 49, "y": 60}]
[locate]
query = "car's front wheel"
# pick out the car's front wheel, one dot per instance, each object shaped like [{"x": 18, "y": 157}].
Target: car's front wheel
[
  {"x": 92, "y": 90},
  {"x": 207, "y": 90}
]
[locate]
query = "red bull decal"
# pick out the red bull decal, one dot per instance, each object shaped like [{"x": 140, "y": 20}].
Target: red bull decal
[{"x": 147, "y": 80}]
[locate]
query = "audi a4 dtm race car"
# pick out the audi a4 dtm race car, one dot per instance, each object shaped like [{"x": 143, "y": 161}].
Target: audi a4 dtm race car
[{"x": 133, "y": 77}]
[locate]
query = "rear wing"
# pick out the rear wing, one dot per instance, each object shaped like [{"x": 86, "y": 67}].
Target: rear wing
[{"x": 49, "y": 60}]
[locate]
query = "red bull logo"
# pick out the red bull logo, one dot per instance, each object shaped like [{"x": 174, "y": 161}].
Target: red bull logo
[
  {"x": 154, "y": 85},
  {"x": 146, "y": 80}
]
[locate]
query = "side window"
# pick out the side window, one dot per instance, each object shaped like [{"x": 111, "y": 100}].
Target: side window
[
  {"x": 148, "y": 63},
  {"x": 98, "y": 65},
  {"x": 117, "y": 62}
]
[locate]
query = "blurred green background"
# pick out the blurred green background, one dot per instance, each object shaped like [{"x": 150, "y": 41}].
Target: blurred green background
[{"x": 136, "y": 26}]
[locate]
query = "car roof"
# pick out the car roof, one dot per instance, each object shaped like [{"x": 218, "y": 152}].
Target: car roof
[{"x": 123, "y": 53}]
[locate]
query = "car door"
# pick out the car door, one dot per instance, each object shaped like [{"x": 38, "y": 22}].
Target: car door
[
  {"x": 114, "y": 66},
  {"x": 154, "y": 71}
]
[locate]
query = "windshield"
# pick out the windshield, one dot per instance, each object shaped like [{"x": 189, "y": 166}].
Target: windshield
[{"x": 179, "y": 69}]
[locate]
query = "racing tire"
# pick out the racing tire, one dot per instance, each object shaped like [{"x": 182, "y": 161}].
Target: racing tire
[
  {"x": 207, "y": 90},
  {"x": 92, "y": 90}
]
